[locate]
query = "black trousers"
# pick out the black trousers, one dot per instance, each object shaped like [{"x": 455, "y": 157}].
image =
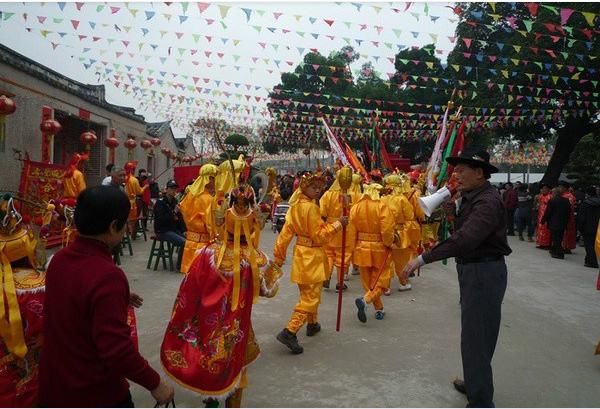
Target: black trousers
[
  {"x": 510, "y": 221},
  {"x": 482, "y": 287},
  {"x": 590, "y": 252},
  {"x": 525, "y": 221},
  {"x": 556, "y": 248}
]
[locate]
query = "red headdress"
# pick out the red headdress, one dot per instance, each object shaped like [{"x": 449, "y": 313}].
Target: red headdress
[{"x": 75, "y": 159}]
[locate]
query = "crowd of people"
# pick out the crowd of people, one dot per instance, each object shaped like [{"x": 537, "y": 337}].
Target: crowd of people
[
  {"x": 336, "y": 219},
  {"x": 556, "y": 218}
]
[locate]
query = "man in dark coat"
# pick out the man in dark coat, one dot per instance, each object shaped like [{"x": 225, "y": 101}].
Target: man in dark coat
[
  {"x": 557, "y": 217},
  {"x": 587, "y": 223}
]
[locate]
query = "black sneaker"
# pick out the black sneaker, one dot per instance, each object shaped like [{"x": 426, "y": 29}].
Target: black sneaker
[
  {"x": 362, "y": 306},
  {"x": 290, "y": 340},
  {"x": 337, "y": 287},
  {"x": 313, "y": 329}
]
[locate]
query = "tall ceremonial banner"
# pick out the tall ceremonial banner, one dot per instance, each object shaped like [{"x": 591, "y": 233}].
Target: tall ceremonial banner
[
  {"x": 336, "y": 149},
  {"x": 434, "y": 163},
  {"x": 43, "y": 181}
]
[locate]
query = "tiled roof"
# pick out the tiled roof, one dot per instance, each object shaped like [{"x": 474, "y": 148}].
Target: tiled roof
[
  {"x": 157, "y": 129},
  {"x": 94, "y": 94}
]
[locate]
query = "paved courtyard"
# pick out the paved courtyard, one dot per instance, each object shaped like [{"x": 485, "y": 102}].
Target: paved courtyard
[{"x": 544, "y": 357}]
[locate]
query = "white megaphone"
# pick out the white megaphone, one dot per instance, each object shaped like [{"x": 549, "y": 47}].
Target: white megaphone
[{"x": 430, "y": 203}]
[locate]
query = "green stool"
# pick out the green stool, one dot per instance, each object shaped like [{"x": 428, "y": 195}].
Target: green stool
[
  {"x": 126, "y": 242},
  {"x": 162, "y": 250}
]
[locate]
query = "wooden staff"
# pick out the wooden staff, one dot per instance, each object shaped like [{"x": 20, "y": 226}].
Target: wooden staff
[{"x": 345, "y": 181}]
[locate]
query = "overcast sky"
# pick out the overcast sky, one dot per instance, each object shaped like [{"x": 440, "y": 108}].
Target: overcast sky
[{"x": 210, "y": 55}]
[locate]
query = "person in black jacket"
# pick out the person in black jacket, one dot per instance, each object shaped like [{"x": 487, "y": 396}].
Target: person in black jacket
[
  {"x": 168, "y": 220},
  {"x": 587, "y": 224},
  {"x": 557, "y": 217}
]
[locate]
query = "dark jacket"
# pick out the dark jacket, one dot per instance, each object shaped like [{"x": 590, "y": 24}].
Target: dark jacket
[
  {"x": 510, "y": 199},
  {"x": 557, "y": 213},
  {"x": 164, "y": 215},
  {"x": 588, "y": 216}
]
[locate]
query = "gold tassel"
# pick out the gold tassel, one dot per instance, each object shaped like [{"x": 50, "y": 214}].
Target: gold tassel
[
  {"x": 253, "y": 262},
  {"x": 11, "y": 331}
]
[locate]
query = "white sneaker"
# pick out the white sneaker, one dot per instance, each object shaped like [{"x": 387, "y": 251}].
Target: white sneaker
[
  {"x": 404, "y": 287},
  {"x": 387, "y": 291}
]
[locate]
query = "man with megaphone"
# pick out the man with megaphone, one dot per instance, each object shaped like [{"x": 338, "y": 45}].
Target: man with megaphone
[{"x": 479, "y": 245}]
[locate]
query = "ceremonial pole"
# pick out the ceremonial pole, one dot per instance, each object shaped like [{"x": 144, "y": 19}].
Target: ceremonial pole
[{"x": 345, "y": 181}]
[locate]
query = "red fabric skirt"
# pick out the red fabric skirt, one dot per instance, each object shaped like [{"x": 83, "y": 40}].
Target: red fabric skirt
[
  {"x": 19, "y": 376},
  {"x": 206, "y": 344}
]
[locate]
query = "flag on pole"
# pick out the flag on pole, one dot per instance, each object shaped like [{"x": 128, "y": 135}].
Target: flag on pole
[
  {"x": 434, "y": 162},
  {"x": 387, "y": 162},
  {"x": 336, "y": 148}
]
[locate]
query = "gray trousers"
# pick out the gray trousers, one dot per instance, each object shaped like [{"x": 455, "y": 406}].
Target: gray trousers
[{"x": 482, "y": 287}]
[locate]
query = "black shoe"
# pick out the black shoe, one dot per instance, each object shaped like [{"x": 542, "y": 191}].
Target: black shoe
[
  {"x": 411, "y": 275},
  {"x": 290, "y": 340},
  {"x": 459, "y": 385},
  {"x": 326, "y": 284},
  {"x": 313, "y": 329},
  {"x": 337, "y": 287},
  {"x": 558, "y": 256},
  {"x": 590, "y": 265},
  {"x": 361, "y": 305}
]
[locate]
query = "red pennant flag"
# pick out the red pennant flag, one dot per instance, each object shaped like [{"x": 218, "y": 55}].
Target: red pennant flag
[
  {"x": 202, "y": 7},
  {"x": 467, "y": 42},
  {"x": 75, "y": 24},
  {"x": 533, "y": 8},
  {"x": 329, "y": 22},
  {"x": 79, "y": 5}
]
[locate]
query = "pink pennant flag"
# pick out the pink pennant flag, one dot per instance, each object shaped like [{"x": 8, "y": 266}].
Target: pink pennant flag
[
  {"x": 277, "y": 15},
  {"x": 379, "y": 29},
  {"x": 82, "y": 37},
  {"x": 263, "y": 45},
  {"x": 96, "y": 38},
  {"x": 468, "y": 42},
  {"x": 115, "y": 10},
  {"x": 179, "y": 35},
  {"x": 79, "y": 5},
  {"x": 209, "y": 21},
  {"x": 209, "y": 38},
  {"x": 41, "y": 19},
  {"x": 363, "y": 27},
  {"x": 202, "y": 6},
  {"x": 75, "y": 24},
  {"x": 408, "y": 4},
  {"x": 565, "y": 14},
  {"x": 207, "y": 53},
  {"x": 329, "y": 22},
  {"x": 125, "y": 43},
  {"x": 193, "y": 51}
]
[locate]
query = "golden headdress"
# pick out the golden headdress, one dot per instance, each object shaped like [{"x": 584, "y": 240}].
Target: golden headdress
[
  {"x": 372, "y": 190},
  {"x": 224, "y": 181},
  {"x": 206, "y": 171}
]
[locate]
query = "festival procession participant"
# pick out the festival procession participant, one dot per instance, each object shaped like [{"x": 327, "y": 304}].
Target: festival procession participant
[
  {"x": 570, "y": 238},
  {"x": 355, "y": 193},
  {"x": 74, "y": 182},
  {"x": 405, "y": 227},
  {"x": 310, "y": 264},
  {"x": 22, "y": 268},
  {"x": 423, "y": 234},
  {"x": 167, "y": 219},
  {"x": 587, "y": 221},
  {"x": 374, "y": 226},
  {"x": 557, "y": 218},
  {"x": 209, "y": 341},
  {"x": 132, "y": 189},
  {"x": 331, "y": 204},
  {"x": 479, "y": 244},
  {"x": 197, "y": 211},
  {"x": 543, "y": 238},
  {"x": 87, "y": 353}
]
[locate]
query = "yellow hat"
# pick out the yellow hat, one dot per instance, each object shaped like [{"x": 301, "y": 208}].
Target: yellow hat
[
  {"x": 372, "y": 190},
  {"x": 207, "y": 171}
]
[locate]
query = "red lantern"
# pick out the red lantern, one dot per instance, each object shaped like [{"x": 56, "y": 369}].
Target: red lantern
[
  {"x": 130, "y": 144},
  {"x": 88, "y": 138},
  {"x": 155, "y": 141},
  {"x": 145, "y": 144},
  {"x": 7, "y": 105},
  {"x": 50, "y": 126},
  {"x": 166, "y": 151},
  {"x": 111, "y": 142}
]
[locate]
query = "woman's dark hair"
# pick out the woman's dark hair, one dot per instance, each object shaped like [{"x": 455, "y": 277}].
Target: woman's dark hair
[
  {"x": 109, "y": 167},
  {"x": 98, "y": 206}
]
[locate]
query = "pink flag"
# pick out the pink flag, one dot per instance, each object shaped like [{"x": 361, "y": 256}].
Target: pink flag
[{"x": 565, "y": 14}]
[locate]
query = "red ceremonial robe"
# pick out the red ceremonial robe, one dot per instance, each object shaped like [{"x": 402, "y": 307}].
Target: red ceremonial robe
[
  {"x": 206, "y": 344},
  {"x": 570, "y": 238},
  {"x": 543, "y": 238}
]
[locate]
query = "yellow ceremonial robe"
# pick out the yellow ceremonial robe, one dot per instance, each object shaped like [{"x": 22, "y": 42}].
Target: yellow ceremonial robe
[
  {"x": 133, "y": 189},
  {"x": 331, "y": 210},
  {"x": 197, "y": 212},
  {"x": 74, "y": 185},
  {"x": 374, "y": 225}
]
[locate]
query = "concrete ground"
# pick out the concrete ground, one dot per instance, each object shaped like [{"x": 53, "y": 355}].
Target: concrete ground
[{"x": 544, "y": 357}]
